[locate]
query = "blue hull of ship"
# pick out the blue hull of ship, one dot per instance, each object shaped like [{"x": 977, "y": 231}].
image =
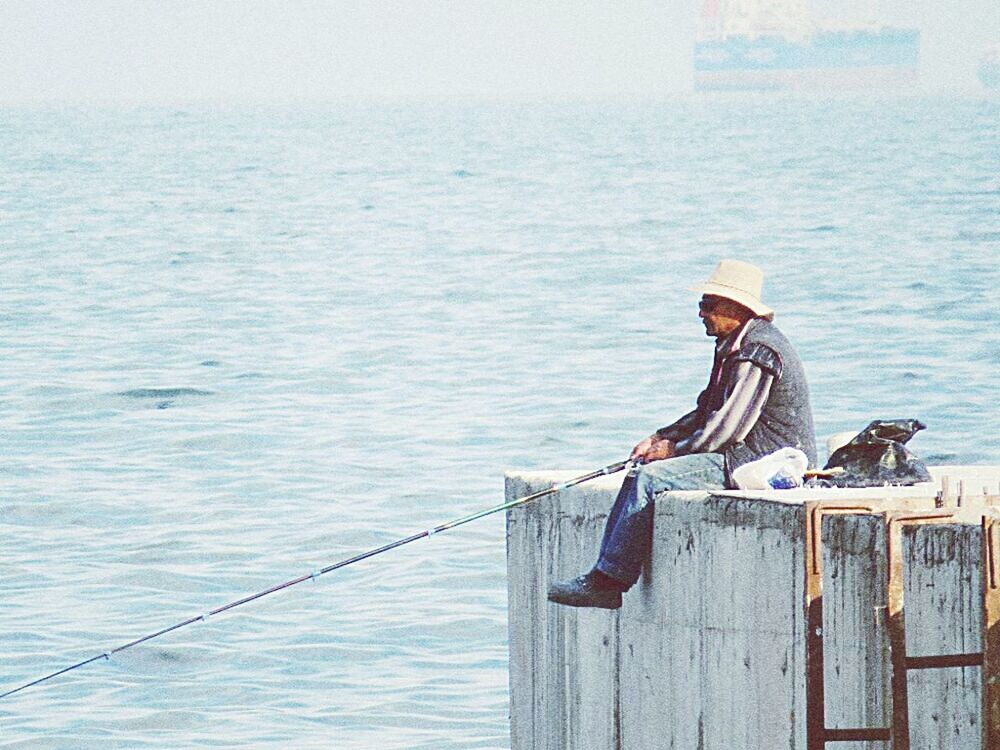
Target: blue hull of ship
[{"x": 825, "y": 50}]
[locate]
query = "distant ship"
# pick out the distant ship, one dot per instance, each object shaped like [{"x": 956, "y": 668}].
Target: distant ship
[
  {"x": 759, "y": 45},
  {"x": 989, "y": 69}
]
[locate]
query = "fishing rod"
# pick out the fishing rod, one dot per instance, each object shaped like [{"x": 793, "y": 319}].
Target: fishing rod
[{"x": 611, "y": 469}]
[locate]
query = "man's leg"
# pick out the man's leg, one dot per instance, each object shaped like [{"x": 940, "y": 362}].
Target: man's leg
[{"x": 628, "y": 531}]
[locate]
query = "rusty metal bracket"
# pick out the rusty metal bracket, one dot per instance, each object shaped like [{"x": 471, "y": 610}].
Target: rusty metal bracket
[
  {"x": 817, "y": 733},
  {"x": 991, "y": 632},
  {"x": 988, "y": 658}
]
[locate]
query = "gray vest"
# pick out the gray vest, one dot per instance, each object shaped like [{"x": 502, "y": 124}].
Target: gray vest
[{"x": 786, "y": 419}]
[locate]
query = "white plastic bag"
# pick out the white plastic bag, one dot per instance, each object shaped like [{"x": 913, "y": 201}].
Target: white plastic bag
[{"x": 780, "y": 470}]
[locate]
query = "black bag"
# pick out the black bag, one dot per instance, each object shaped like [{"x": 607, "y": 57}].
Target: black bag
[{"x": 877, "y": 456}]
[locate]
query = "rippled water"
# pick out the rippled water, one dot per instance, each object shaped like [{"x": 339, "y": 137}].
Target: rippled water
[{"x": 238, "y": 345}]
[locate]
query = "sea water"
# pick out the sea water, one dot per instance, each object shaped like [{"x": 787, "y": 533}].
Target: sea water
[{"x": 239, "y": 344}]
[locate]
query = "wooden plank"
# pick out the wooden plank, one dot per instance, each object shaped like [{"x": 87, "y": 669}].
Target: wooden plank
[
  {"x": 896, "y": 616},
  {"x": 817, "y": 734}
]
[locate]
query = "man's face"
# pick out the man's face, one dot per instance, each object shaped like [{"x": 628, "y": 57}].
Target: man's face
[{"x": 721, "y": 316}]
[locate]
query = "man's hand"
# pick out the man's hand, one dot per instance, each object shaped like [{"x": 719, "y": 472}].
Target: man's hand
[{"x": 653, "y": 448}]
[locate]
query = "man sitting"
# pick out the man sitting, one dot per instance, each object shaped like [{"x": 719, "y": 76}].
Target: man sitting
[{"x": 756, "y": 402}]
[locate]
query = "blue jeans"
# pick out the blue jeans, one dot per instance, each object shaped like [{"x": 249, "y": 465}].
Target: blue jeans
[{"x": 628, "y": 534}]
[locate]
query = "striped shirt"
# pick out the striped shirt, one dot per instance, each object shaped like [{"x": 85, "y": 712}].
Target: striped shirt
[{"x": 707, "y": 430}]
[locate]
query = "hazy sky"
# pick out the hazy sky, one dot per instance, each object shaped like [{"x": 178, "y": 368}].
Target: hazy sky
[{"x": 170, "y": 50}]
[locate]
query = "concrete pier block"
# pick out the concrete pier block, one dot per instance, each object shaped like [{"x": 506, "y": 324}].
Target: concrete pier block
[{"x": 708, "y": 650}]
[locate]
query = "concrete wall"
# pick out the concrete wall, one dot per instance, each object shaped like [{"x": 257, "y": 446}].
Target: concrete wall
[{"x": 708, "y": 650}]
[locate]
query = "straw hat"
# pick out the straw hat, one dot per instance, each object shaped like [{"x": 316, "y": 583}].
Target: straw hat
[{"x": 740, "y": 282}]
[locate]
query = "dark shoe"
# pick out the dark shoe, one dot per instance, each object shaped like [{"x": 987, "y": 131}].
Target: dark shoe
[{"x": 585, "y": 591}]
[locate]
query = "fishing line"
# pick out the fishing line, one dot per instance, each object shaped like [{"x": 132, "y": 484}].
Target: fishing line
[{"x": 611, "y": 469}]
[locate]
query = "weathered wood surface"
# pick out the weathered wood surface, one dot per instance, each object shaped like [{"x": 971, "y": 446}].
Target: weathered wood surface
[{"x": 708, "y": 650}]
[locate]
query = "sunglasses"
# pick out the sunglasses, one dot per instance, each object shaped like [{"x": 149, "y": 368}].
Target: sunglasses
[{"x": 708, "y": 304}]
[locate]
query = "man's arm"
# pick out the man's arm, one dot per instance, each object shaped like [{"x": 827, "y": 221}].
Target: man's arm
[
  {"x": 737, "y": 415},
  {"x": 686, "y": 425},
  {"x": 680, "y": 429},
  {"x": 661, "y": 444}
]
